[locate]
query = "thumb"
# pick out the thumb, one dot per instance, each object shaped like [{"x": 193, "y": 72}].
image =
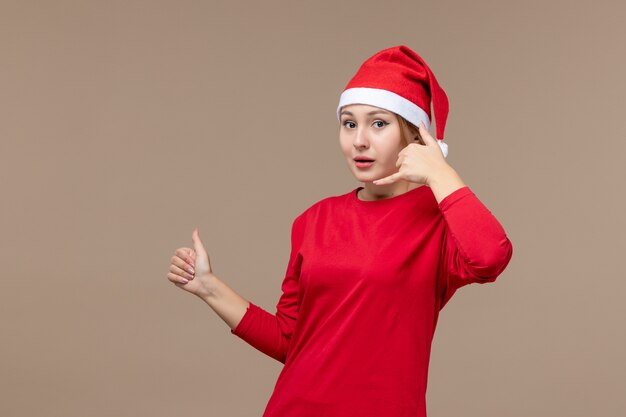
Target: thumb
[{"x": 202, "y": 258}]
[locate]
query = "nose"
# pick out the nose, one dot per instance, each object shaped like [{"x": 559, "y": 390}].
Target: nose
[{"x": 360, "y": 139}]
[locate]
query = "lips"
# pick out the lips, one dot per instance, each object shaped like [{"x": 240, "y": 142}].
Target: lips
[{"x": 363, "y": 162}]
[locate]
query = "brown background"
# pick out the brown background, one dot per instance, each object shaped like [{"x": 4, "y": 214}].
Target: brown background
[{"x": 125, "y": 124}]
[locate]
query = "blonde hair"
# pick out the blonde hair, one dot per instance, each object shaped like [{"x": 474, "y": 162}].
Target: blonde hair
[{"x": 404, "y": 126}]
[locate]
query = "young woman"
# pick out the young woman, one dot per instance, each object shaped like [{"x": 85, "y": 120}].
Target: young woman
[{"x": 369, "y": 270}]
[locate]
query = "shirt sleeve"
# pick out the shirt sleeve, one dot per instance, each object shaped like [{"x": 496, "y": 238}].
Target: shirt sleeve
[
  {"x": 271, "y": 333},
  {"x": 475, "y": 247}
]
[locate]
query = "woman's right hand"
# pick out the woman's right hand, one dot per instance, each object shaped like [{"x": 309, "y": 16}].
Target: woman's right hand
[{"x": 190, "y": 269}]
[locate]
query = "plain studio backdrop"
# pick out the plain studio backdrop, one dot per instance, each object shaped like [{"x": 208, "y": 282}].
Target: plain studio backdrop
[{"x": 125, "y": 124}]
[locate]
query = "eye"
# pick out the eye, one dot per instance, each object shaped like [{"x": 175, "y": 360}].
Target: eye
[
  {"x": 380, "y": 123},
  {"x": 349, "y": 124}
]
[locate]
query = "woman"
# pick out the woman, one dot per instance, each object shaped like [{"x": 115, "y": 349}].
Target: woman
[{"x": 369, "y": 270}]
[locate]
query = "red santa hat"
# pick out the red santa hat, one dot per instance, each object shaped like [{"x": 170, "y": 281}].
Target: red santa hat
[{"x": 397, "y": 79}]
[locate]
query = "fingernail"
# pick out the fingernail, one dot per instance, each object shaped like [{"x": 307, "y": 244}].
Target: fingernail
[
  {"x": 190, "y": 270},
  {"x": 185, "y": 281}
]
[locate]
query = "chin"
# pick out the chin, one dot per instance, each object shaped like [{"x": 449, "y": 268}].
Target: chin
[
  {"x": 367, "y": 176},
  {"x": 362, "y": 177}
]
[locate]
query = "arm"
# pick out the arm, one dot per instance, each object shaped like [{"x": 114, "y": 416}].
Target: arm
[
  {"x": 476, "y": 238},
  {"x": 271, "y": 333},
  {"x": 191, "y": 271},
  {"x": 475, "y": 247},
  {"x": 228, "y": 304}
]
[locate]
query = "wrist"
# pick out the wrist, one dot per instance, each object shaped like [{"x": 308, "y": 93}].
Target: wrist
[
  {"x": 209, "y": 288},
  {"x": 445, "y": 174},
  {"x": 445, "y": 182}
]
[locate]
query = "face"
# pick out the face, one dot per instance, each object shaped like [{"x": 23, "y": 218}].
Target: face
[{"x": 373, "y": 133}]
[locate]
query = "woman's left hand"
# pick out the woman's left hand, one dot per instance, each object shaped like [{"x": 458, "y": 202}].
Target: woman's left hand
[{"x": 418, "y": 163}]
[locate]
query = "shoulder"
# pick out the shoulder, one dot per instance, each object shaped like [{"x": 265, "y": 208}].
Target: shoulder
[{"x": 323, "y": 206}]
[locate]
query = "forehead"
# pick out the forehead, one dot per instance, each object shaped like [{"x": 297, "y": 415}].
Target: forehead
[{"x": 364, "y": 109}]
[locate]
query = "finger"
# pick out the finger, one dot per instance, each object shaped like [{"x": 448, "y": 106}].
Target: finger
[
  {"x": 181, "y": 272},
  {"x": 185, "y": 253},
  {"x": 176, "y": 279},
  {"x": 426, "y": 136},
  {"x": 182, "y": 264},
  {"x": 388, "y": 180}
]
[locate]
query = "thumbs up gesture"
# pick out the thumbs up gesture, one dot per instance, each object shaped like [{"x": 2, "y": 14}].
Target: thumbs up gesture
[{"x": 190, "y": 268}]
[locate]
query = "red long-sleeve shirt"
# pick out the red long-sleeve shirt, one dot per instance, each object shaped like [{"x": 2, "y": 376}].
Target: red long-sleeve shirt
[{"x": 361, "y": 297}]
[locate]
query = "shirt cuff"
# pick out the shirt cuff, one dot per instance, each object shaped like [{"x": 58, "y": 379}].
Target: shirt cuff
[{"x": 244, "y": 323}]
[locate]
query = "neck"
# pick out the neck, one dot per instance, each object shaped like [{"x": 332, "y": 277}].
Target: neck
[{"x": 372, "y": 191}]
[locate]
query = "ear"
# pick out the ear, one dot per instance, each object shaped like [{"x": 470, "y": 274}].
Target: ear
[{"x": 417, "y": 137}]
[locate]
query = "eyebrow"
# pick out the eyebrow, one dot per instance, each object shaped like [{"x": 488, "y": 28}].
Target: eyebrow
[{"x": 369, "y": 114}]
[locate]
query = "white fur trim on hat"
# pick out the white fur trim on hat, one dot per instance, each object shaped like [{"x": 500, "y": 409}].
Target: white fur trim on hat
[{"x": 389, "y": 101}]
